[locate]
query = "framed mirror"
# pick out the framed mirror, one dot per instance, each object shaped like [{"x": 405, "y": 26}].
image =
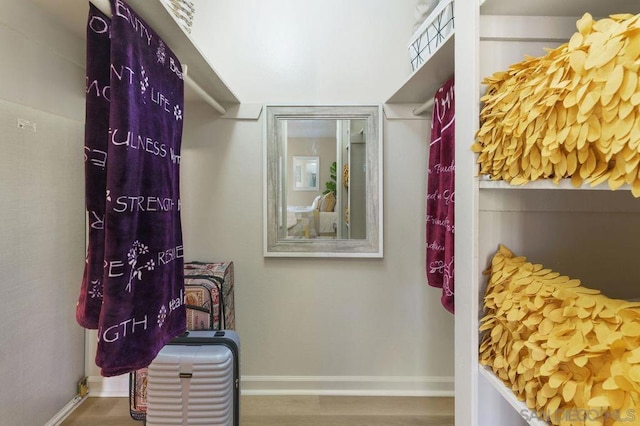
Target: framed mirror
[{"x": 323, "y": 181}]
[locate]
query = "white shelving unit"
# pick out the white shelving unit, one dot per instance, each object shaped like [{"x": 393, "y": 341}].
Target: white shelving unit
[
  {"x": 200, "y": 70},
  {"x": 73, "y": 14},
  {"x": 538, "y": 224},
  {"x": 423, "y": 83},
  {"x": 510, "y": 398},
  {"x": 564, "y": 184},
  {"x": 578, "y": 232}
]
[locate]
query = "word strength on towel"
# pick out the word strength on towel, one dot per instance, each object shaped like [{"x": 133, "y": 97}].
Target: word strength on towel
[
  {"x": 139, "y": 203},
  {"x": 129, "y": 326}
]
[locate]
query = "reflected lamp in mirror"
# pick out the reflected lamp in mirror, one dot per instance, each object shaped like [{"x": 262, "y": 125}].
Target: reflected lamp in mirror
[{"x": 323, "y": 181}]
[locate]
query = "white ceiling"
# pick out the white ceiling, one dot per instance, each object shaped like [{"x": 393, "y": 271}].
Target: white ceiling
[{"x": 316, "y": 128}]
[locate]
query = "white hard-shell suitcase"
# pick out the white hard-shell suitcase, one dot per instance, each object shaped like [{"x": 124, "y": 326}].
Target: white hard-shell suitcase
[{"x": 195, "y": 380}]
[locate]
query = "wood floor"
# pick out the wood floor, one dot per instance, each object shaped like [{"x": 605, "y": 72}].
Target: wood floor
[{"x": 295, "y": 411}]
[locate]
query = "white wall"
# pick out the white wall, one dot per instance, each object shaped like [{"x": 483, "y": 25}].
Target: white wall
[
  {"x": 316, "y": 325},
  {"x": 320, "y": 51},
  {"x": 42, "y": 215}
]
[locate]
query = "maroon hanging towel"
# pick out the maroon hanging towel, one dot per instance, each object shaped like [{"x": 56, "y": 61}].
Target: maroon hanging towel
[{"x": 441, "y": 195}]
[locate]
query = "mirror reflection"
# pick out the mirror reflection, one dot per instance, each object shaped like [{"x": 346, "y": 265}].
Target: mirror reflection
[
  {"x": 336, "y": 208},
  {"x": 323, "y": 172}
]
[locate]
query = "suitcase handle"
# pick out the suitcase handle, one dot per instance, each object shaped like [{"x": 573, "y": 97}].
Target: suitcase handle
[
  {"x": 218, "y": 282},
  {"x": 219, "y": 333}
]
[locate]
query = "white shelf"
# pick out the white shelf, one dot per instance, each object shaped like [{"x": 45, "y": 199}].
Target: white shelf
[
  {"x": 510, "y": 397},
  {"x": 157, "y": 15},
  {"x": 427, "y": 79},
  {"x": 575, "y": 8},
  {"x": 564, "y": 184},
  {"x": 73, "y": 15},
  {"x": 423, "y": 83}
]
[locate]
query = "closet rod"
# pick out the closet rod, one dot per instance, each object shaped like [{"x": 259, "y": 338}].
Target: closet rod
[
  {"x": 424, "y": 107},
  {"x": 105, "y": 7},
  {"x": 201, "y": 92}
]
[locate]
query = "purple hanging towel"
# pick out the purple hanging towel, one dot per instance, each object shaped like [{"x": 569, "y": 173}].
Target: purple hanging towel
[
  {"x": 133, "y": 285},
  {"x": 441, "y": 196}
]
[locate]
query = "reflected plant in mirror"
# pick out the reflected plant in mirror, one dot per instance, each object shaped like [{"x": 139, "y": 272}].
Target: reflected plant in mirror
[{"x": 323, "y": 181}]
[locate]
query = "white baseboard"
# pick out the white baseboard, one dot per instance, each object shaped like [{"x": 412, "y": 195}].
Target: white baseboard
[
  {"x": 348, "y": 385},
  {"x": 66, "y": 411},
  {"x": 107, "y": 387},
  {"x": 308, "y": 385}
]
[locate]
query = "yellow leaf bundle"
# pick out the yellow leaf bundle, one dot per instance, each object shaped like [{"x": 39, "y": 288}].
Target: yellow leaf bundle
[
  {"x": 563, "y": 348},
  {"x": 572, "y": 113}
]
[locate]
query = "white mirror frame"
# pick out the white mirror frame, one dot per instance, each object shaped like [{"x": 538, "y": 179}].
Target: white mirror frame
[{"x": 372, "y": 245}]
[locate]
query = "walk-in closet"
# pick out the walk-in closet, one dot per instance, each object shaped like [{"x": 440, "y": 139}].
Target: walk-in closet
[{"x": 308, "y": 326}]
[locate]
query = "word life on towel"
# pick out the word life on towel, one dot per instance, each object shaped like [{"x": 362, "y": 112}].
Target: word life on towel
[{"x": 132, "y": 290}]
